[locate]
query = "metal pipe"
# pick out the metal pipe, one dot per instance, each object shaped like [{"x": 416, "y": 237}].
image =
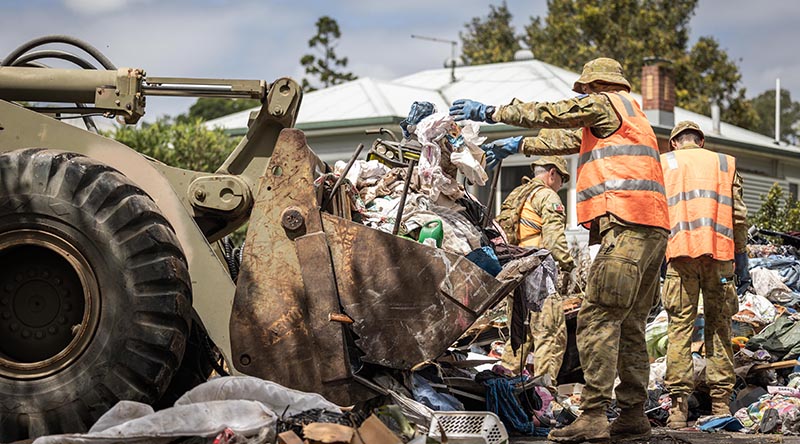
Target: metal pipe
[
  {"x": 343, "y": 176},
  {"x": 777, "y": 110},
  {"x": 495, "y": 177},
  {"x": 397, "y": 221},
  {"x": 189, "y": 87}
]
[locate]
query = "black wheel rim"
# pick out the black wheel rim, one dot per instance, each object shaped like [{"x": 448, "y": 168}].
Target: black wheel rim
[{"x": 49, "y": 303}]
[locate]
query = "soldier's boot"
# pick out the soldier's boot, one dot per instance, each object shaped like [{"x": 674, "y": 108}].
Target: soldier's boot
[
  {"x": 632, "y": 425},
  {"x": 720, "y": 406},
  {"x": 591, "y": 426},
  {"x": 678, "y": 413}
]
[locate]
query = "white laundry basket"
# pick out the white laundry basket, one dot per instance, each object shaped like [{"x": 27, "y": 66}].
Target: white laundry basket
[{"x": 468, "y": 428}]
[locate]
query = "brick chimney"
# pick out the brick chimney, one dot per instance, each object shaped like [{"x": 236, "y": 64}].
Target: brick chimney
[{"x": 658, "y": 92}]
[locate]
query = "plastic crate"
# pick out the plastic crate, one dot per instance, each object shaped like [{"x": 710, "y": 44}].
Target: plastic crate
[{"x": 468, "y": 428}]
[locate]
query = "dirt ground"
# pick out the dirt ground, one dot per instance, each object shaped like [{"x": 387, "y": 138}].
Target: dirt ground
[{"x": 665, "y": 436}]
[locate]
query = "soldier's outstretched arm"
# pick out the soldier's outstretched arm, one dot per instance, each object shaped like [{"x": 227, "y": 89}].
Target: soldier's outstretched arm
[{"x": 552, "y": 142}]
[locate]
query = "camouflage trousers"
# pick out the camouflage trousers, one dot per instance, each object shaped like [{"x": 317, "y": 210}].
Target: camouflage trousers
[
  {"x": 622, "y": 288},
  {"x": 686, "y": 278},
  {"x": 548, "y": 336}
]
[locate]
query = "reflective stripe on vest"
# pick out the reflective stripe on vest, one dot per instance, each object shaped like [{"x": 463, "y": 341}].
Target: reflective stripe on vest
[
  {"x": 530, "y": 227},
  {"x": 621, "y": 174},
  {"x": 699, "y": 187}
]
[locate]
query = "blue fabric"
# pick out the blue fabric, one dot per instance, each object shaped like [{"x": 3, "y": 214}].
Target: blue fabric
[
  {"x": 465, "y": 109},
  {"x": 787, "y": 266},
  {"x": 500, "y": 399},
  {"x": 728, "y": 423},
  {"x": 418, "y": 111},
  {"x": 499, "y": 150},
  {"x": 485, "y": 258},
  {"x": 424, "y": 393},
  {"x": 742, "y": 272}
]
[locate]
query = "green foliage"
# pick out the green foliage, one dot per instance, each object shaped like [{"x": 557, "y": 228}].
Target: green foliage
[
  {"x": 187, "y": 144},
  {"x": 708, "y": 75},
  {"x": 764, "y": 105},
  {"x": 326, "y": 66},
  {"x": 777, "y": 213},
  {"x": 206, "y": 108},
  {"x": 576, "y": 31},
  {"x": 489, "y": 40}
]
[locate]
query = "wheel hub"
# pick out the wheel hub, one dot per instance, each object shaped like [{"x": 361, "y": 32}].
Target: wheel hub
[{"x": 49, "y": 303}]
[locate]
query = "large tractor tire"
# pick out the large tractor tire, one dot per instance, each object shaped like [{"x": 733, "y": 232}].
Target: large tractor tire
[{"x": 95, "y": 296}]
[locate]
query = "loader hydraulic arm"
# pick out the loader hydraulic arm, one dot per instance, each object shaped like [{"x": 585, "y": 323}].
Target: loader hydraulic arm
[{"x": 118, "y": 92}]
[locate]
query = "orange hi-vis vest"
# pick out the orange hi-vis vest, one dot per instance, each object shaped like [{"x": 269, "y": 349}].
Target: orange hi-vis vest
[
  {"x": 530, "y": 223},
  {"x": 621, "y": 174},
  {"x": 699, "y": 187}
]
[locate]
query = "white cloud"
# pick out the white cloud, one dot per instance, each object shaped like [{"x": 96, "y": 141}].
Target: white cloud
[{"x": 97, "y": 7}]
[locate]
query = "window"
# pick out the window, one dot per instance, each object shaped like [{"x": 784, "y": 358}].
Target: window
[{"x": 793, "y": 191}]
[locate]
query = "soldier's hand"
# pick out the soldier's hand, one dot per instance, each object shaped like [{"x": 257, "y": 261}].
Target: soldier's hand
[
  {"x": 465, "y": 109},
  {"x": 566, "y": 283},
  {"x": 499, "y": 150}
]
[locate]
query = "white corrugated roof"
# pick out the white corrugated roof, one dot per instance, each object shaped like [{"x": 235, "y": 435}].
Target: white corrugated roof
[{"x": 496, "y": 83}]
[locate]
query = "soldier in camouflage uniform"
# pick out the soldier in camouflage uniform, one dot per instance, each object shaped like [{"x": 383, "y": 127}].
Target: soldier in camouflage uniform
[
  {"x": 624, "y": 277},
  {"x": 701, "y": 257},
  {"x": 542, "y": 225}
]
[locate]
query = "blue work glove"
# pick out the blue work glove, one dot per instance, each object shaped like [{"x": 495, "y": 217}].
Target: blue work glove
[
  {"x": 742, "y": 272},
  {"x": 465, "y": 109},
  {"x": 499, "y": 150}
]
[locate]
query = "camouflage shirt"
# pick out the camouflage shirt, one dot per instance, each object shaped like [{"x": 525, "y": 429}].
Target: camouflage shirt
[
  {"x": 562, "y": 122},
  {"x": 547, "y": 204},
  {"x": 739, "y": 210}
]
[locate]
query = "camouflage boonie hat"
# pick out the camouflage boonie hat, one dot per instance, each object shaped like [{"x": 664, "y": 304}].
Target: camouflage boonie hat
[
  {"x": 556, "y": 161},
  {"x": 601, "y": 69},
  {"x": 686, "y": 125}
]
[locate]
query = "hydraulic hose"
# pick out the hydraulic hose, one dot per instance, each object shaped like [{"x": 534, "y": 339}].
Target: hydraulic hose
[{"x": 65, "y": 39}]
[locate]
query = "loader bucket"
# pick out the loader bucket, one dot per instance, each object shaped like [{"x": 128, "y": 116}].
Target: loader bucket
[{"x": 302, "y": 269}]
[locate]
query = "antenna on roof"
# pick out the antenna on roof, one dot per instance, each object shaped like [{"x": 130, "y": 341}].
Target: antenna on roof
[
  {"x": 452, "y": 43},
  {"x": 777, "y": 111}
]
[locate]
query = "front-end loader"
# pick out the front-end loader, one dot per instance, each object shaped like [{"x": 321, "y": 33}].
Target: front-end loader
[{"x": 112, "y": 286}]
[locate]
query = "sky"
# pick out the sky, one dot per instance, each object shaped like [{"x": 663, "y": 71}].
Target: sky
[{"x": 265, "y": 39}]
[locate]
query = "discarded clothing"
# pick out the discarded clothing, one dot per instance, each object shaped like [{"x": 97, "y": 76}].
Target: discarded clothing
[
  {"x": 769, "y": 283},
  {"x": 754, "y": 414},
  {"x": 716, "y": 423},
  {"x": 134, "y": 422},
  {"x": 787, "y": 267},
  {"x": 781, "y": 338},
  {"x": 485, "y": 258},
  {"x": 755, "y": 310},
  {"x": 500, "y": 399},
  {"x": 542, "y": 282},
  {"x": 424, "y": 393},
  {"x": 418, "y": 111}
]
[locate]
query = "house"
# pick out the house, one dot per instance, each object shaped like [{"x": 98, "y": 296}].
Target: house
[{"x": 335, "y": 120}]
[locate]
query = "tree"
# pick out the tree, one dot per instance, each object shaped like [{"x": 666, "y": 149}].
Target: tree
[
  {"x": 576, "y": 31},
  {"x": 325, "y": 66},
  {"x": 764, "y": 106},
  {"x": 187, "y": 144},
  {"x": 491, "y": 40},
  {"x": 777, "y": 213},
  {"x": 206, "y": 108}
]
